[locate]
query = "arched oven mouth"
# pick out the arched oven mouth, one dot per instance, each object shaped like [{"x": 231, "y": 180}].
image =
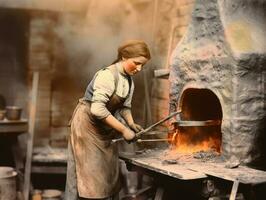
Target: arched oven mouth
[{"x": 198, "y": 128}]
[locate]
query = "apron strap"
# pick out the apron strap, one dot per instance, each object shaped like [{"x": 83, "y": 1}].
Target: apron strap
[{"x": 115, "y": 72}]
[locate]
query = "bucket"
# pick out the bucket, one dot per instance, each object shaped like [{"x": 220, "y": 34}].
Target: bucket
[
  {"x": 7, "y": 183},
  {"x": 51, "y": 194},
  {"x": 13, "y": 112}
]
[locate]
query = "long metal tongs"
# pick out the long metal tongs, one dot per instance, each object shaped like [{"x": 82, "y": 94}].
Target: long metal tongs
[
  {"x": 150, "y": 127},
  {"x": 153, "y": 140}
]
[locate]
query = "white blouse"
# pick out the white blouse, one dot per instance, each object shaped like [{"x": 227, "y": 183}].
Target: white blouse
[{"x": 103, "y": 88}]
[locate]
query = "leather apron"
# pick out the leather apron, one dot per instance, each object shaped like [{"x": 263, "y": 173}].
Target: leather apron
[{"x": 96, "y": 159}]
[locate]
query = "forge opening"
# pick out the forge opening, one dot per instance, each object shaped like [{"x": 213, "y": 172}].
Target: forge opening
[{"x": 199, "y": 106}]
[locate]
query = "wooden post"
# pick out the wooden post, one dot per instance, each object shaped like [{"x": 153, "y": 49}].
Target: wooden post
[
  {"x": 32, "y": 117},
  {"x": 170, "y": 44},
  {"x": 148, "y": 116},
  {"x": 159, "y": 193},
  {"x": 234, "y": 190},
  {"x": 154, "y": 16}
]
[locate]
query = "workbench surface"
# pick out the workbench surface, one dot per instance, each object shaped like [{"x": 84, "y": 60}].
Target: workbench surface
[{"x": 188, "y": 168}]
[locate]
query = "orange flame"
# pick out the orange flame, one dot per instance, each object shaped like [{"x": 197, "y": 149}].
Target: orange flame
[{"x": 194, "y": 140}]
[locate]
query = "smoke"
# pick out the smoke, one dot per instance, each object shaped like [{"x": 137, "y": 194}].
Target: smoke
[
  {"x": 90, "y": 40},
  {"x": 86, "y": 42}
]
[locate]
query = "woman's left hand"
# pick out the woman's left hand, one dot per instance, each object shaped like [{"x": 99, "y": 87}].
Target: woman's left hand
[{"x": 135, "y": 127}]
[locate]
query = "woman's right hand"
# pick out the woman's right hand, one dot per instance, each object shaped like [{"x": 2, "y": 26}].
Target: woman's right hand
[{"x": 129, "y": 135}]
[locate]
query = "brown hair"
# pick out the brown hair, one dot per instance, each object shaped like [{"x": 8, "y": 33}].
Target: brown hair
[{"x": 131, "y": 49}]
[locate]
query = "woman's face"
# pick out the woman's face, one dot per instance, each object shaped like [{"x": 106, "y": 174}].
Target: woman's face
[{"x": 134, "y": 65}]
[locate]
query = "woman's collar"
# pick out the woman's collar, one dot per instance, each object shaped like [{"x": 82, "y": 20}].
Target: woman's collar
[{"x": 121, "y": 69}]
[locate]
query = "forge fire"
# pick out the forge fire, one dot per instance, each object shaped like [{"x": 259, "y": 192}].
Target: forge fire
[{"x": 192, "y": 140}]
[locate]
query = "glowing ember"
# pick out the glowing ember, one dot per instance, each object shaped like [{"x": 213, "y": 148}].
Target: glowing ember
[{"x": 195, "y": 139}]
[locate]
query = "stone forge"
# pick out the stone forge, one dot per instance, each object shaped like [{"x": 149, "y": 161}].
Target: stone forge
[{"x": 218, "y": 71}]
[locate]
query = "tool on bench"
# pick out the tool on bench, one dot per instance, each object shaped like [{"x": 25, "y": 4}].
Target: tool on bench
[
  {"x": 150, "y": 127},
  {"x": 153, "y": 140}
]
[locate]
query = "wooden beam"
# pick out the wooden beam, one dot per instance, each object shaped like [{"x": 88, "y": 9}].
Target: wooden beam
[
  {"x": 47, "y": 5},
  {"x": 49, "y": 169},
  {"x": 148, "y": 119},
  {"x": 234, "y": 190},
  {"x": 32, "y": 117},
  {"x": 159, "y": 193},
  {"x": 154, "y": 20},
  {"x": 162, "y": 73}
]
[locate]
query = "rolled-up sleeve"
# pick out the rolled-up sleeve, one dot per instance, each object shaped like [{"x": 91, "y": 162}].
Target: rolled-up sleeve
[{"x": 103, "y": 88}]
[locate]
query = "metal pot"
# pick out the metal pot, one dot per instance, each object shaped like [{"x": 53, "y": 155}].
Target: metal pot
[
  {"x": 7, "y": 183},
  {"x": 13, "y": 112},
  {"x": 2, "y": 114}
]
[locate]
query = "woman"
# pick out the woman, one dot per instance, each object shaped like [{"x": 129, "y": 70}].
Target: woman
[{"x": 93, "y": 164}]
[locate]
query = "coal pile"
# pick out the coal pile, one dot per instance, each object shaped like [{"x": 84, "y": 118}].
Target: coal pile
[{"x": 205, "y": 156}]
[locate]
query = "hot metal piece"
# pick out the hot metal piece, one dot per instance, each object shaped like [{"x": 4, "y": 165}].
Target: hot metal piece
[{"x": 198, "y": 123}]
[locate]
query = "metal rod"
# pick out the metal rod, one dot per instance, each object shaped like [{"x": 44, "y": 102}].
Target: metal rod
[
  {"x": 153, "y": 140},
  {"x": 151, "y": 127},
  {"x": 150, "y": 133},
  {"x": 158, "y": 123}
]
